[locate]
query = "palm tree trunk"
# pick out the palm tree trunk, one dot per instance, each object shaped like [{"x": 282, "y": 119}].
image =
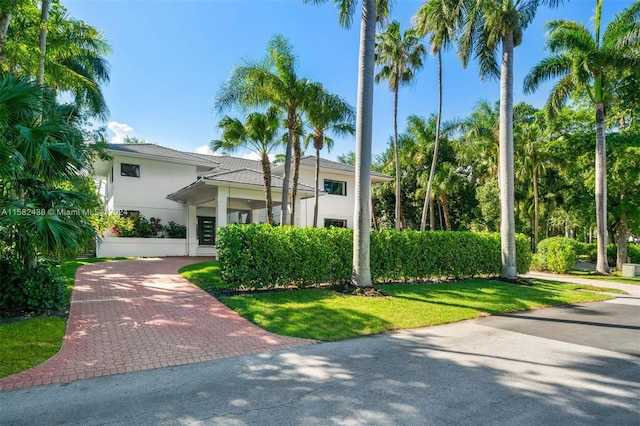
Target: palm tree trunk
[
  {"x": 5, "y": 19},
  {"x": 296, "y": 175},
  {"x": 397, "y": 159},
  {"x": 536, "y": 201},
  {"x": 434, "y": 160},
  {"x": 361, "y": 275},
  {"x": 623, "y": 236},
  {"x": 432, "y": 215},
  {"x": 266, "y": 179},
  {"x": 317, "y": 190},
  {"x": 506, "y": 171},
  {"x": 284, "y": 208},
  {"x": 445, "y": 212},
  {"x": 373, "y": 215},
  {"x": 44, "y": 19},
  {"x": 601, "y": 190}
]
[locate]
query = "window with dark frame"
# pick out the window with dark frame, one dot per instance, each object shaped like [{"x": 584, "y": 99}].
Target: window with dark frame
[
  {"x": 338, "y": 223},
  {"x": 131, "y": 170},
  {"x": 335, "y": 187}
]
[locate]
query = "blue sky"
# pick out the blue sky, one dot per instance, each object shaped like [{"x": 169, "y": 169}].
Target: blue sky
[{"x": 170, "y": 58}]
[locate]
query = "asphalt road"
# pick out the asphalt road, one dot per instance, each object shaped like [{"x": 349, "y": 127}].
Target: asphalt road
[{"x": 572, "y": 365}]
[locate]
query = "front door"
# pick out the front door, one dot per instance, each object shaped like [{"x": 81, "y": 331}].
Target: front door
[{"x": 206, "y": 230}]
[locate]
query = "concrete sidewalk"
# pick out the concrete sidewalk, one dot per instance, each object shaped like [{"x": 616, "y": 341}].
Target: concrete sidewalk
[{"x": 134, "y": 315}]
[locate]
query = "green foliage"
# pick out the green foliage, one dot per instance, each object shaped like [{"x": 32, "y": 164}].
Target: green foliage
[
  {"x": 556, "y": 254},
  {"x": 262, "y": 256},
  {"x": 30, "y": 288},
  {"x": 175, "y": 230}
]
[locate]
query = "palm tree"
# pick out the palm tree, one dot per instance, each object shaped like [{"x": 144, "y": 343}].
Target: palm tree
[
  {"x": 479, "y": 144},
  {"x": 399, "y": 56},
  {"x": 270, "y": 81},
  {"x": 441, "y": 19},
  {"x": 583, "y": 61},
  {"x": 372, "y": 12},
  {"x": 259, "y": 133},
  {"x": 327, "y": 112},
  {"x": 70, "y": 58},
  {"x": 44, "y": 149},
  {"x": 491, "y": 24}
]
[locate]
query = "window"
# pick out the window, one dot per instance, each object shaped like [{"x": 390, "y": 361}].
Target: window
[
  {"x": 131, "y": 170},
  {"x": 130, "y": 213},
  {"x": 335, "y": 187},
  {"x": 338, "y": 223}
]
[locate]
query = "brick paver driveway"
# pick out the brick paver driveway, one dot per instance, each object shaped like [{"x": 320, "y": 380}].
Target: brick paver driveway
[{"x": 136, "y": 315}]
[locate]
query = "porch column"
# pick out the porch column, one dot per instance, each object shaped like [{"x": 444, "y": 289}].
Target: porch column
[
  {"x": 221, "y": 207},
  {"x": 192, "y": 229}
]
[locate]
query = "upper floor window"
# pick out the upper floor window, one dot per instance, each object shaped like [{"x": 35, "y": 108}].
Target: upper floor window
[
  {"x": 335, "y": 187},
  {"x": 131, "y": 170}
]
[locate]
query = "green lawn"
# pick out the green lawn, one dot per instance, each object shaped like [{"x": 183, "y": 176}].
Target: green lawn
[
  {"x": 205, "y": 275},
  {"x": 615, "y": 277},
  {"x": 326, "y": 315},
  {"x": 28, "y": 342}
]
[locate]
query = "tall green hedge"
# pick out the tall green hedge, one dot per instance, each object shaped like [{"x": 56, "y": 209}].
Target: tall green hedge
[{"x": 263, "y": 256}]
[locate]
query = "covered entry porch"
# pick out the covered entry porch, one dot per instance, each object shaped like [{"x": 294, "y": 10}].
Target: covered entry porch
[{"x": 214, "y": 201}]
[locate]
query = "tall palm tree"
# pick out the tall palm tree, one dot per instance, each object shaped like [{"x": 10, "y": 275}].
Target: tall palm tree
[
  {"x": 259, "y": 133},
  {"x": 490, "y": 25},
  {"x": 584, "y": 61},
  {"x": 271, "y": 81},
  {"x": 441, "y": 20},
  {"x": 326, "y": 113},
  {"x": 372, "y": 12},
  {"x": 71, "y": 57},
  {"x": 399, "y": 55}
]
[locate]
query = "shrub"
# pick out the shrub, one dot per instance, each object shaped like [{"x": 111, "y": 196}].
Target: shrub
[
  {"x": 259, "y": 256},
  {"x": 30, "y": 288},
  {"x": 556, "y": 254},
  {"x": 175, "y": 230}
]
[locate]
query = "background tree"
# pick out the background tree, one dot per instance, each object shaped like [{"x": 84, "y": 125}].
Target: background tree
[
  {"x": 259, "y": 133},
  {"x": 440, "y": 20},
  {"x": 584, "y": 62},
  {"x": 399, "y": 55},
  {"x": 490, "y": 25},
  {"x": 326, "y": 112},
  {"x": 372, "y": 12},
  {"x": 271, "y": 81}
]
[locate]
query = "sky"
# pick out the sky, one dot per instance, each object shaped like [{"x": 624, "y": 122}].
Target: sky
[{"x": 170, "y": 58}]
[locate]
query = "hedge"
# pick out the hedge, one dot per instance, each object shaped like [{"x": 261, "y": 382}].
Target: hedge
[
  {"x": 263, "y": 256},
  {"x": 556, "y": 254}
]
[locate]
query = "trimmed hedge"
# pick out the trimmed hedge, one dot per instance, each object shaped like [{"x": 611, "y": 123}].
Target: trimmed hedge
[
  {"x": 263, "y": 256},
  {"x": 591, "y": 251}
]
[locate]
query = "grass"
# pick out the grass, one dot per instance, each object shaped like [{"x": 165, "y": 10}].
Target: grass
[
  {"x": 322, "y": 314},
  {"x": 26, "y": 343},
  {"x": 205, "y": 275},
  {"x": 615, "y": 277}
]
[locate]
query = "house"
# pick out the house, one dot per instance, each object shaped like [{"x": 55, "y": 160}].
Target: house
[{"x": 206, "y": 192}]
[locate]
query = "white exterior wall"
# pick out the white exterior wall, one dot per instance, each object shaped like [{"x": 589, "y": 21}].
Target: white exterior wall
[
  {"x": 147, "y": 193},
  {"x": 141, "y": 247},
  {"x": 329, "y": 206}
]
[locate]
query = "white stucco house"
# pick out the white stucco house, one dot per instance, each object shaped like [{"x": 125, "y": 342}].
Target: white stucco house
[{"x": 206, "y": 192}]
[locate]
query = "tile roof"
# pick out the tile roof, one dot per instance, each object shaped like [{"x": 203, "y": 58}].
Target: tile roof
[
  {"x": 251, "y": 177},
  {"x": 163, "y": 152},
  {"x": 325, "y": 164}
]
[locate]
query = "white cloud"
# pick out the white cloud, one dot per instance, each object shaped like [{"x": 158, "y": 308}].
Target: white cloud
[
  {"x": 120, "y": 131},
  {"x": 204, "y": 149},
  {"x": 254, "y": 156}
]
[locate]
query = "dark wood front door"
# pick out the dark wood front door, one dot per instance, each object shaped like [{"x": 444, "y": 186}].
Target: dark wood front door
[{"x": 206, "y": 230}]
